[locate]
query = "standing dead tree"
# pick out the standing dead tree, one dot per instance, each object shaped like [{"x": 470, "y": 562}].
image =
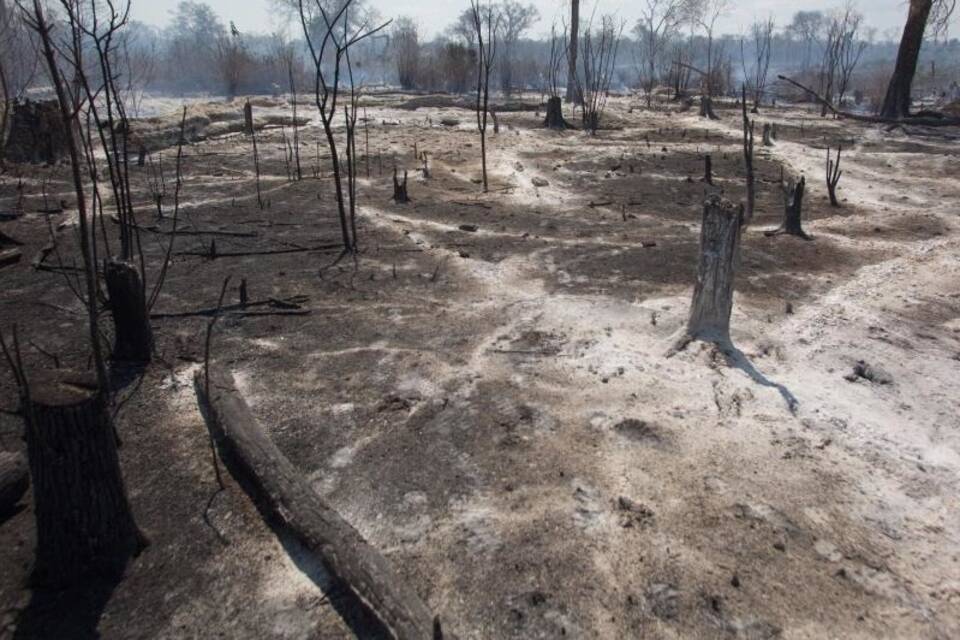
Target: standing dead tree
[
  {"x": 719, "y": 257},
  {"x": 572, "y": 50},
  {"x": 748, "y": 159},
  {"x": 896, "y": 104},
  {"x": 338, "y": 35},
  {"x": 486, "y": 22},
  {"x": 599, "y": 54},
  {"x": 793, "y": 193},
  {"x": 84, "y": 522},
  {"x": 554, "y": 119},
  {"x": 658, "y": 21},
  {"x": 833, "y": 176},
  {"x": 762, "y": 34}
]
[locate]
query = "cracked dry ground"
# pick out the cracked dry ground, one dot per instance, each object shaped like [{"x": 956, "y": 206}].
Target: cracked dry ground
[{"x": 485, "y": 396}]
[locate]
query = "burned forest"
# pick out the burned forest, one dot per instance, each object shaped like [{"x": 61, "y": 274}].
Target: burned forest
[{"x": 490, "y": 320}]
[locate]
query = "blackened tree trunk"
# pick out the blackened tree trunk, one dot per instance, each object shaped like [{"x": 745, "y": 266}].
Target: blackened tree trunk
[
  {"x": 133, "y": 339},
  {"x": 572, "y": 51},
  {"x": 248, "y": 118},
  {"x": 708, "y": 169},
  {"x": 400, "y": 188},
  {"x": 719, "y": 256},
  {"x": 896, "y": 104},
  {"x": 84, "y": 523}
]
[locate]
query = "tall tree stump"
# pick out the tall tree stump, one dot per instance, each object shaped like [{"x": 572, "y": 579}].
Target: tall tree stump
[
  {"x": 792, "y": 209},
  {"x": 133, "y": 336},
  {"x": 84, "y": 523},
  {"x": 248, "y": 118},
  {"x": 708, "y": 169},
  {"x": 554, "y": 119},
  {"x": 14, "y": 480},
  {"x": 719, "y": 256}
]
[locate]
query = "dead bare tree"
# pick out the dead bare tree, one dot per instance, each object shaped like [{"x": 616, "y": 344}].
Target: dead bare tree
[
  {"x": 338, "y": 35},
  {"x": 748, "y": 159},
  {"x": 850, "y": 49},
  {"x": 288, "y": 58},
  {"x": 833, "y": 176},
  {"x": 599, "y": 55},
  {"x": 658, "y": 21},
  {"x": 554, "y": 118},
  {"x": 84, "y": 521},
  {"x": 574, "y": 31},
  {"x": 756, "y": 75},
  {"x": 486, "y": 24}
]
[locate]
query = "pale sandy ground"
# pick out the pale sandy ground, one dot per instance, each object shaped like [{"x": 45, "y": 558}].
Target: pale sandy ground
[{"x": 840, "y": 519}]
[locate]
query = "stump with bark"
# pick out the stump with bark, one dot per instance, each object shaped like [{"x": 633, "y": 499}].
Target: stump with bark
[
  {"x": 14, "y": 480},
  {"x": 133, "y": 336},
  {"x": 719, "y": 256},
  {"x": 555, "y": 119},
  {"x": 793, "y": 193},
  {"x": 706, "y": 108},
  {"x": 85, "y": 527},
  {"x": 400, "y": 188}
]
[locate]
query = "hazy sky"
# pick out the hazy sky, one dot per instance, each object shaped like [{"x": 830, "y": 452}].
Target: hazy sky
[{"x": 434, "y": 15}]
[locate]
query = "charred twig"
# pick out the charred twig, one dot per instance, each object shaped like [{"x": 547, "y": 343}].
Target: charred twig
[{"x": 293, "y": 303}]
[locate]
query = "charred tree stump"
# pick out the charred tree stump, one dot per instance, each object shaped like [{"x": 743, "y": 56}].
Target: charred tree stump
[
  {"x": 554, "y": 119},
  {"x": 792, "y": 209},
  {"x": 36, "y": 133},
  {"x": 84, "y": 523},
  {"x": 141, "y": 156},
  {"x": 133, "y": 339},
  {"x": 706, "y": 108},
  {"x": 708, "y": 169},
  {"x": 719, "y": 255},
  {"x": 833, "y": 176},
  {"x": 400, "y": 188},
  {"x": 284, "y": 496},
  {"x": 14, "y": 480},
  {"x": 767, "y": 135},
  {"x": 248, "y": 118}
]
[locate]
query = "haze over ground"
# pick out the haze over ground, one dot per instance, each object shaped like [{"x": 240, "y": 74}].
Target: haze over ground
[{"x": 433, "y": 17}]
